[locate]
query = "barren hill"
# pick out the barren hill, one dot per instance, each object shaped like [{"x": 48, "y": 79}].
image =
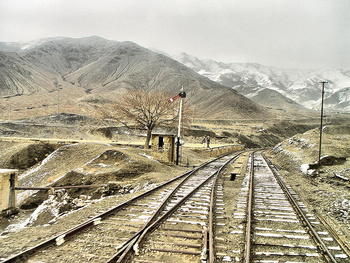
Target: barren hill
[
  {"x": 18, "y": 76},
  {"x": 92, "y": 70},
  {"x": 271, "y": 99}
]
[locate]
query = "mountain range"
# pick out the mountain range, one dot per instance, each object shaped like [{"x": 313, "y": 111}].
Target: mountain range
[
  {"x": 275, "y": 87},
  {"x": 78, "y": 75},
  {"x": 84, "y": 73}
]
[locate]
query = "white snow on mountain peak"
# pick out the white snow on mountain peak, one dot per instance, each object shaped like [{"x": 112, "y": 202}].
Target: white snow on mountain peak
[{"x": 302, "y": 86}]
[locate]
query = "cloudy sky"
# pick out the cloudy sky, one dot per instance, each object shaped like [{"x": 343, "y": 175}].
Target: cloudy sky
[{"x": 283, "y": 33}]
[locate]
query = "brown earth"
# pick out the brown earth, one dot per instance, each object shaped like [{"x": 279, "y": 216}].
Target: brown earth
[
  {"x": 82, "y": 74},
  {"x": 129, "y": 168},
  {"x": 322, "y": 191},
  {"x": 132, "y": 172}
]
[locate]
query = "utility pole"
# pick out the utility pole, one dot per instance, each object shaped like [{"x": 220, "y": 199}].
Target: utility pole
[
  {"x": 182, "y": 95},
  {"x": 321, "y": 128},
  {"x": 58, "y": 100}
]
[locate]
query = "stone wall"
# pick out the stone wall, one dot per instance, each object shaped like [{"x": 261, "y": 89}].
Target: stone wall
[
  {"x": 217, "y": 151},
  {"x": 164, "y": 153}
]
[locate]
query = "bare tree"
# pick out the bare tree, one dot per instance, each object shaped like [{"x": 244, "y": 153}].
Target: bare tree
[{"x": 141, "y": 108}]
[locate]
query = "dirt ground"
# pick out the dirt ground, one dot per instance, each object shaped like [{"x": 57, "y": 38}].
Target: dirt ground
[
  {"x": 325, "y": 193},
  {"x": 132, "y": 170}
]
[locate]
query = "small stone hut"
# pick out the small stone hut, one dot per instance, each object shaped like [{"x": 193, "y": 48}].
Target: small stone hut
[{"x": 163, "y": 147}]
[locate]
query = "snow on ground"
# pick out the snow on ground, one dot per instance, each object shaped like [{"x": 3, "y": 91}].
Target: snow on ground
[
  {"x": 51, "y": 156},
  {"x": 301, "y": 150},
  {"x": 147, "y": 156}
]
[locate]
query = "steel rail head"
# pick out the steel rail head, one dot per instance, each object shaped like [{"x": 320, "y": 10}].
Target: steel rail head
[
  {"x": 250, "y": 214},
  {"x": 210, "y": 224},
  {"x": 301, "y": 214},
  {"x": 336, "y": 236}
]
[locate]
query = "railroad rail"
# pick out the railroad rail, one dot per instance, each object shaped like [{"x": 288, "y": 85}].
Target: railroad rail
[
  {"x": 185, "y": 223},
  {"x": 108, "y": 236},
  {"x": 280, "y": 228},
  {"x": 203, "y": 216}
]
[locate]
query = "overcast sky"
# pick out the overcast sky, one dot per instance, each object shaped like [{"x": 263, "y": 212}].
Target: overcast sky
[{"x": 283, "y": 33}]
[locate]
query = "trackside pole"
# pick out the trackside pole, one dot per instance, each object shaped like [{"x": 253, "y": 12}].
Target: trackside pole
[
  {"x": 321, "y": 128},
  {"x": 178, "y": 134},
  {"x": 182, "y": 95}
]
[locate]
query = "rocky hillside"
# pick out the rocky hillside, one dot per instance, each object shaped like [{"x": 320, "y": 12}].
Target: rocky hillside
[
  {"x": 91, "y": 71},
  {"x": 271, "y": 98},
  {"x": 255, "y": 81},
  {"x": 18, "y": 76}
]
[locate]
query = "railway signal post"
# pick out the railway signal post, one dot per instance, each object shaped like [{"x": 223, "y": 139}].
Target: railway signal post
[{"x": 181, "y": 95}]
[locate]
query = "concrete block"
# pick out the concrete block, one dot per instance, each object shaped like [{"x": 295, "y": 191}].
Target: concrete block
[{"x": 8, "y": 180}]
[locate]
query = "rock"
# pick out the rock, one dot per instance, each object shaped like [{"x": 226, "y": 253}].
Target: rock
[
  {"x": 97, "y": 194},
  {"x": 327, "y": 161},
  {"x": 78, "y": 203},
  {"x": 113, "y": 186},
  {"x": 84, "y": 197}
]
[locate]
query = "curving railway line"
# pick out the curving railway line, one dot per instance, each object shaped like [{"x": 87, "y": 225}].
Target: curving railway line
[
  {"x": 204, "y": 215},
  {"x": 109, "y": 236}
]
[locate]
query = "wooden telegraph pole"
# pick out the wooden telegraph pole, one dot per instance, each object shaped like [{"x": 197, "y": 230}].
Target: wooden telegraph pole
[{"x": 321, "y": 128}]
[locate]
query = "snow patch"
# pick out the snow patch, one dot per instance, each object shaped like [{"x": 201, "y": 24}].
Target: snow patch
[
  {"x": 147, "y": 156},
  {"x": 45, "y": 161},
  {"x": 304, "y": 168}
]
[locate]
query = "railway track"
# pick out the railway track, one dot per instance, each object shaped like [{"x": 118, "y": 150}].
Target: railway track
[
  {"x": 197, "y": 217},
  {"x": 185, "y": 230},
  {"x": 108, "y": 236},
  {"x": 279, "y": 227}
]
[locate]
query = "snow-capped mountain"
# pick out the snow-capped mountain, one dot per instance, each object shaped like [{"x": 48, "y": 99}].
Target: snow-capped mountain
[{"x": 301, "y": 86}]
